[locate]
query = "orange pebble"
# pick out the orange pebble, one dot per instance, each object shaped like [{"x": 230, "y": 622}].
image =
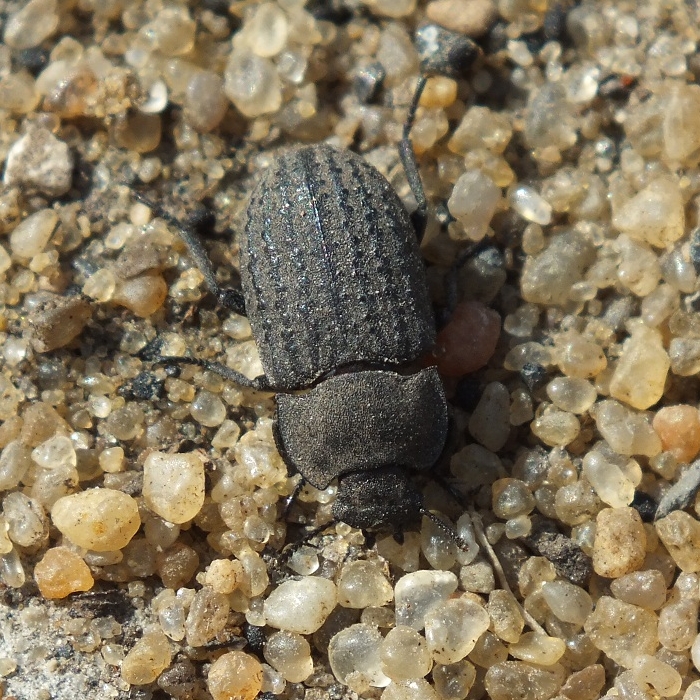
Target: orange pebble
[
  {"x": 679, "y": 430},
  {"x": 62, "y": 572},
  {"x": 468, "y": 340}
]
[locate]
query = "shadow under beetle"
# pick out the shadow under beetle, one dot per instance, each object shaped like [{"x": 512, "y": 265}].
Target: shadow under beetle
[{"x": 334, "y": 287}]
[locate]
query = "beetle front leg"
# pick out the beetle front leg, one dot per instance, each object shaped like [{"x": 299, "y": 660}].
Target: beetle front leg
[
  {"x": 259, "y": 383},
  {"x": 231, "y": 299}
]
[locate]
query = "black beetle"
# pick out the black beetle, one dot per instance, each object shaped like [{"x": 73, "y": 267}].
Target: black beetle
[{"x": 334, "y": 286}]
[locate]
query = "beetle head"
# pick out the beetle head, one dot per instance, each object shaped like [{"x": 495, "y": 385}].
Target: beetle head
[{"x": 375, "y": 498}]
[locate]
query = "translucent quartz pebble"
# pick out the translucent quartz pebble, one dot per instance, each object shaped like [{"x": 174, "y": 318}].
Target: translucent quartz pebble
[
  {"x": 171, "y": 614},
  {"x": 480, "y": 127},
  {"x": 665, "y": 679},
  {"x": 620, "y": 542},
  {"x": 638, "y": 268},
  {"x": 61, "y": 572},
  {"x": 143, "y": 295},
  {"x": 207, "y": 616},
  {"x": 27, "y": 524},
  {"x": 579, "y": 356},
  {"x": 454, "y": 681},
  {"x": 695, "y": 656},
  {"x": 452, "y": 628},
  {"x": 679, "y": 430},
  {"x": 102, "y": 520},
  {"x": 18, "y": 93},
  {"x": 571, "y": 394},
  {"x": 224, "y": 575},
  {"x": 173, "y": 485},
  {"x": 530, "y": 205},
  {"x": 654, "y": 215},
  {"x": 681, "y": 131},
  {"x": 644, "y": 588},
  {"x": 57, "y": 452},
  {"x": 506, "y": 619},
  {"x": 585, "y": 684},
  {"x": 680, "y": 533},
  {"x": 626, "y": 431},
  {"x": 693, "y": 690},
  {"x": 235, "y": 675},
  {"x": 538, "y": 648},
  {"x": 685, "y": 356},
  {"x": 622, "y": 631},
  {"x": 555, "y": 427},
  {"x": 305, "y": 562},
  {"x": 549, "y": 121},
  {"x": 477, "y": 577},
  {"x": 510, "y": 498},
  {"x": 6, "y": 545},
  {"x": 252, "y": 84},
  {"x": 265, "y": 31},
  {"x": 568, "y": 602},
  {"x": 15, "y": 460},
  {"x": 148, "y": 658},
  {"x": 362, "y": 584},
  {"x": 227, "y": 435},
  {"x": 205, "y": 102},
  {"x": 208, "y": 409},
  {"x": 354, "y": 656},
  {"x": 507, "y": 679},
  {"x": 405, "y": 655},
  {"x": 609, "y": 481},
  {"x": 659, "y": 305},
  {"x": 547, "y": 278},
  {"x": 418, "y": 592},
  {"x": 410, "y": 690},
  {"x": 289, "y": 654},
  {"x": 173, "y": 31},
  {"x": 640, "y": 374},
  {"x": 29, "y": 238},
  {"x": 678, "y": 624},
  {"x": 31, "y": 24},
  {"x": 255, "y": 580},
  {"x": 101, "y": 285},
  {"x": 473, "y": 203},
  {"x": 301, "y": 606},
  {"x": 679, "y": 271},
  {"x": 489, "y": 423},
  {"x": 11, "y": 569}
]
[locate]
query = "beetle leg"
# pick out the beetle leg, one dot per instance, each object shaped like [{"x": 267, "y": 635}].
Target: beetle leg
[
  {"x": 463, "y": 257},
  {"x": 231, "y": 299},
  {"x": 410, "y": 166},
  {"x": 259, "y": 383},
  {"x": 291, "y": 499}
]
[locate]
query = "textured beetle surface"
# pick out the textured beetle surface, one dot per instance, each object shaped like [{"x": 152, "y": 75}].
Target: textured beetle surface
[
  {"x": 331, "y": 270},
  {"x": 335, "y": 292}
]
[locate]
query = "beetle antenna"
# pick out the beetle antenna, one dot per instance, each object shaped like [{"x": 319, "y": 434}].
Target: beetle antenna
[
  {"x": 410, "y": 166},
  {"x": 447, "y": 529}
]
